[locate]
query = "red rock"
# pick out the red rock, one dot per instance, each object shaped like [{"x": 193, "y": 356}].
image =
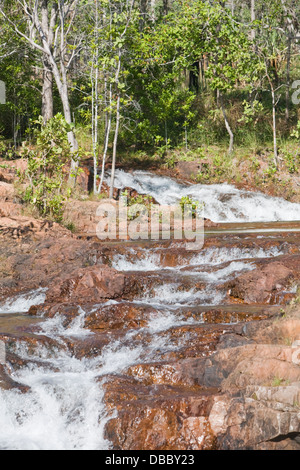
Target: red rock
[
  {"x": 189, "y": 170},
  {"x": 261, "y": 285},
  {"x": 159, "y": 417},
  {"x": 88, "y": 285},
  {"x": 9, "y": 209},
  {"x": 21, "y": 227},
  {"x": 6, "y": 192},
  {"x": 118, "y": 317},
  {"x": 84, "y": 179},
  {"x": 8, "y": 169},
  {"x": 6, "y": 382}
]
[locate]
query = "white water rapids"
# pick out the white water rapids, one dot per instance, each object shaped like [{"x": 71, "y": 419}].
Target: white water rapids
[
  {"x": 223, "y": 202},
  {"x": 64, "y": 408}
]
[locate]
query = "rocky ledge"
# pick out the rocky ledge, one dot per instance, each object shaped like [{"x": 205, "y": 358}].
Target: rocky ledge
[{"x": 231, "y": 382}]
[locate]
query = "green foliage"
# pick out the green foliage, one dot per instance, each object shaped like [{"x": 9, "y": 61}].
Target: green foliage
[
  {"x": 271, "y": 171},
  {"x": 251, "y": 110},
  {"x": 296, "y": 132},
  {"x": 142, "y": 199},
  {"x": 46, "y": 167},
  {"x": 255, "y": 163},
  {"x": 139, "y": 204},
  {"x": 71, "y": 226},
  {"x": 6, "y": 151},
  {"x": 279, "y": 381},
  {"x": 292, "y": 162},
  {"x": 157, "y": 51},
  {"x": 190, "y": 206}
]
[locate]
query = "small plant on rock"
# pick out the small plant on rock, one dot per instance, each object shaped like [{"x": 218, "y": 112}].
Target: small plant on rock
[{"x": 194, "y": 207}]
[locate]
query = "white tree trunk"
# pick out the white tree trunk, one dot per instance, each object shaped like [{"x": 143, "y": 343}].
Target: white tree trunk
[
  {"x": 112, "y": 181},
  {"x": 228, "y": 128},
  {"x": 253, "y": 18}
]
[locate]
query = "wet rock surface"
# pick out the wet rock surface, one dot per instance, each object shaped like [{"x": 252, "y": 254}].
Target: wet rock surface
[
  {"x": 189, "y": 350},
  {"x": 267, "y": 283}
]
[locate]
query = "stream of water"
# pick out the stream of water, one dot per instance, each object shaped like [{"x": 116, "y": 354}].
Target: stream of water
[{"x": 223, "y": 202}]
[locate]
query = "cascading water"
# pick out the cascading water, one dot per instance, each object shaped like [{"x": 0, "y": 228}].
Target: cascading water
[
  {"x": 22, "y": 303},
  {"x": 64, "y": 407},
  {"x": 223, "y": 202}
]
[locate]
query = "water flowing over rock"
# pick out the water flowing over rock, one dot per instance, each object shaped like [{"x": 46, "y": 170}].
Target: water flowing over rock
[
  {"x": 223, "y": 203},
  {"x": 147, "y": 345},
  {"x": 265, "y": 284}
]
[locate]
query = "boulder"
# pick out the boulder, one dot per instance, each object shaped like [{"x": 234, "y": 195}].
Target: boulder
[
  {"x": 6, "y": 192},
  {"x": 88, "y": 285},
  {"x": 9, "y": 209},
  {"x": 7, "y": 383},
  {"x": 256, "y": 423},
  {"x": 157, "y": 417},
  {"x": 188, "y": 169},
  {"x": 263, "y": 285}
]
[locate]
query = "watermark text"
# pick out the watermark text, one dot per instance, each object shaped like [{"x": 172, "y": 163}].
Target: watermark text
[
  {"x": 2, "y": 93},
  {"x": 118, "y": 221},
  {"x": 2, "y": 353}
]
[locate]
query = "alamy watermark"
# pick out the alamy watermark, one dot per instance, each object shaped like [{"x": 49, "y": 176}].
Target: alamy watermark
[
  {"x": 2, "y": 93},
  {"x": 2, "y": 353},
  {"x": 119, "y": 221},
  {"x": 296, "y": 352},
  {"x": 296, "y": 94}
]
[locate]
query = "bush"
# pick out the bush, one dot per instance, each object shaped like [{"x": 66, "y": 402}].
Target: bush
[{"x": 46, "y": 164}]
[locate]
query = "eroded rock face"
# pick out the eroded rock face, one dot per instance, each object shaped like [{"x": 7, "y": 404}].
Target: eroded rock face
[
  {"x": 89, "y": 285},
  {"x": 21, "y": 227},
  {"x": 9, "y": 169},
  {"x": 265, "y": 284},
  {"x": 256, "y": 423},
  {"x": 7, "y": 192},
  {"x": 9, "y": 209},
  {"x": 162, "y": 418},
  {"x": 6, "y": 382},
  {"x": 227, "y": 382},
  {"x": 242, "y": 396}
]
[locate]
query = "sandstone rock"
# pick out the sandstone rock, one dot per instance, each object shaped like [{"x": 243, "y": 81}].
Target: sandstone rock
[
  {"x": 235, "y": 368},
  {"x": 246, "y": 423},
  {"x": 21, "y": 226},
  {"x": 9, "y": 209},
  {"x": 40, "y": 258},
  {"x": 6, "y": 192},
  {"x": 188, "y": 169},
  {"x": 6, "y": 382},
  {"x": 88, "y": 285},
  {"x": 117, "y": 316},
  {"x": 9, "y": 168},
  {"x": 84, "y": 179},
  {"x": 261, "y": 285},
  {"x": 160, "y": 417},
  {"x": 83, "y": 214}
]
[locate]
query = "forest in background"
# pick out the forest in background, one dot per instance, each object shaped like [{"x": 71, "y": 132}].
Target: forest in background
[{"x": 134, "y": 79}]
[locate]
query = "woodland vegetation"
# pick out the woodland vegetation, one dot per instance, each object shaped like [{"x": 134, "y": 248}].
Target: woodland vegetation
[{"x": 103, "y": 78}]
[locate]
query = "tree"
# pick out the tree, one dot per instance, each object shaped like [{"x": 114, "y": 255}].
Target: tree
[
  {"x": 211, "y": 30},
  {"x": 270, "y": 45},
  {"x": 49, "y": 35},
  {"x": 108, "y": 42}
]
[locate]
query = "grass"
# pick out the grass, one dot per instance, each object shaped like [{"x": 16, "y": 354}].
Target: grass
[
  {"x": 70, "y": 226},
  {"x": 279, "y": 382}
]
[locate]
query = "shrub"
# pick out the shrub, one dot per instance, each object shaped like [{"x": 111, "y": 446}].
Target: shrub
[{"x": 46, "y": 164}]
